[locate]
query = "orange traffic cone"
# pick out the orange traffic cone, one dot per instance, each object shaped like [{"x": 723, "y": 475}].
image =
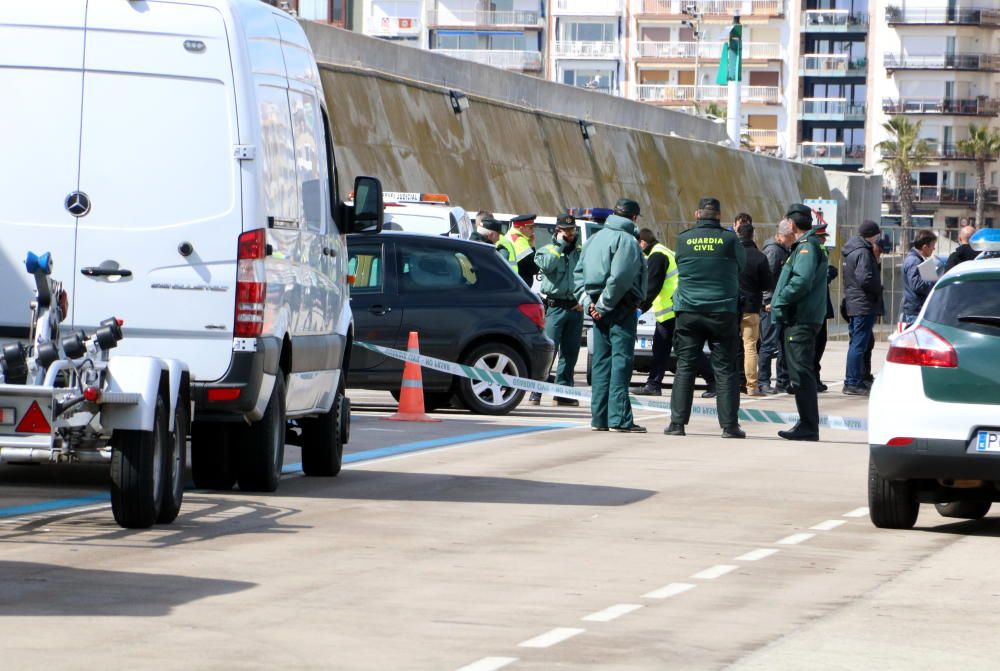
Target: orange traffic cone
[{"x": 411, "y": 393}]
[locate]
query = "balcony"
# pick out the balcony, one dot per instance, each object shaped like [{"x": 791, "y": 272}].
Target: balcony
[
  {"x": 942, "y": 16},
  {"x": 833, "y": 21},
  {"x": 670, "y": 94},
  {"x": 982, "y": 106},
  {"x": 760, "y": 137},
  {"x": 974, "y": 62},
  {"x": 712, "y": 10},
  {"x": 832, "y": 153},
  {"x": 830, "y": 109},
  {"x": 942, "y": 196},
  {"x": 941, "y": 151},
  {"x": 524, "y": 61},
  {"x": 706, "y": 51},
  {"x": 474, "y": 18},
  {"x": 833, "y": 65},
  {"x": 587, "y": 7},
  {"x": 582, "y": 49}
]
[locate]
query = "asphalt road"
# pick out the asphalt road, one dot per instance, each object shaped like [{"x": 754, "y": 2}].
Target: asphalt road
[{"x": 523, "y": 542}]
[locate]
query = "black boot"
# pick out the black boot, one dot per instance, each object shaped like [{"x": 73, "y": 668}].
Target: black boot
[
  {"x": 733, "y": 431},
  {"x": 674, "y": 429},
  {"x": 798, "y": 432}
]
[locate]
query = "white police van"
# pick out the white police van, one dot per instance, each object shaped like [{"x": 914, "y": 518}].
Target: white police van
[
  {"x": 427, "y": 213},
  {"x": 176, "y": 160}
]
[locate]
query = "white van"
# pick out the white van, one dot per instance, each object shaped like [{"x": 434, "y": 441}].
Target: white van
[{"x": 175, "y": 159}]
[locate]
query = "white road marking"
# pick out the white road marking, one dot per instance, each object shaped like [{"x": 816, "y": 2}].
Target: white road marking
[
  {"x": 714, "y": 572},
  {"x": 829, "y": 525},
  {"x": 794, "y": 539},
  {"x": 759, "y": 553},
  {"x": 673, "y": 589},
  {"x": 612, "y": 613},
  {"x": 857, "y": 512},
  {"x": 550, "y": 638},
  {"x": 489, "y": 664}
]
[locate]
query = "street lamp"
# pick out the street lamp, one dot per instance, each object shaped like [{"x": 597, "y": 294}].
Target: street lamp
[{"x": 694, "y": 23}]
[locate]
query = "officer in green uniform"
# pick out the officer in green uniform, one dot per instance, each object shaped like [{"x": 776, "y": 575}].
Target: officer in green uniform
[
  {"x": 518, "y": 247},
  {"x": 563, "y": 314},
  {"x": 799, "y": 304},
  {"x": 709, "y": 261},
  {"x": 609, "y": 282}
]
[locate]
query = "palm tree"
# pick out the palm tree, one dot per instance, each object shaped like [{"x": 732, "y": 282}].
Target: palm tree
[
  {"x": 903, "y": 153},
  {"x": 983, "y": 145}
]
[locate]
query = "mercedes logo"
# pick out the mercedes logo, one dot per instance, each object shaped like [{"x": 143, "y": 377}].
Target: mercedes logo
[{"x": 78, "y": 204}]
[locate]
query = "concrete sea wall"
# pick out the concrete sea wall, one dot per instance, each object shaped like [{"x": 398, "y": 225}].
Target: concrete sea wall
[{"x": 519, "y": 146}]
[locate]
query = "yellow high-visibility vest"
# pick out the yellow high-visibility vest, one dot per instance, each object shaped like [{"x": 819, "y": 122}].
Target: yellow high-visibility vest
[
  {"x": 663, "y": 304},
  {"x": 517, "y": 245}
]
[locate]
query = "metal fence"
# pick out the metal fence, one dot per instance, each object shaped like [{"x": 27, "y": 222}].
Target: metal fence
[{"x": 895, "y": 239}]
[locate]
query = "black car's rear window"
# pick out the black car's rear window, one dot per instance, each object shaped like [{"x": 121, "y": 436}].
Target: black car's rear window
[{"x": 958, "y": 303}]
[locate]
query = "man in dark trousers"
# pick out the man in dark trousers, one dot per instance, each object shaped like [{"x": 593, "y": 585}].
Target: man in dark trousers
[
  {"x": 709, "y": 260},
  {"x": 820, "y": 230},
  {"x": 661, "y": 283},
  {"x": 754, "y": 280},
  {"x": 964, "y": 252},
  {"x": 799, "y": 305},
  {"x": 610, "y": 282},
  {"x": 771, "y": 346},
  {"x": 862, "y": 302}
]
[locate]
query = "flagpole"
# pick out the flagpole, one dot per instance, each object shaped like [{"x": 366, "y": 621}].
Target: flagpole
[{"x": 733, "y": 108}]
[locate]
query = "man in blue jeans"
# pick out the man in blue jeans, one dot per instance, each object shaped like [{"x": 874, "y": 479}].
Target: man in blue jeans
[{"x": 862, "y": 302}]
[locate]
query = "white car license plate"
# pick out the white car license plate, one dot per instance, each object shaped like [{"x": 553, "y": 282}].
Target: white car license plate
[
  {"x": 644, "y": 343},
  {"x": 987, "y": 441}
]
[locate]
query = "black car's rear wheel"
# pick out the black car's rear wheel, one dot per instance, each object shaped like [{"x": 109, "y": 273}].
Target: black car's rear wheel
[
  {"x": 487, "y": 398},
  {"x": 964, "y": 510}
]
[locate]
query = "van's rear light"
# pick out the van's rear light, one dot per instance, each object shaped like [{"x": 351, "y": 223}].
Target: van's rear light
[
  {"x": 251, "y": 287},
  {"x": 534, "y": 312},
  {"x": 223, "y": 394},
  {"x": 899, "y": 442},
  {"x": 922, "y": 347}
]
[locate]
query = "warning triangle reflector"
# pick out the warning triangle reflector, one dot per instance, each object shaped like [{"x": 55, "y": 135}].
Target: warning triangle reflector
[{"x": 34, "y": 421}]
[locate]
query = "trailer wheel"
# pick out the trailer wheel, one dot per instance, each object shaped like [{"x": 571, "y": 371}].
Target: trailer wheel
[
  {"x": 323, "y": 439},
  {"x": 213, "y": 462},
  {"x": 137, "y": 471},
  {"x": 262, "y": 453},
  {"x": 174, "y": 459}
]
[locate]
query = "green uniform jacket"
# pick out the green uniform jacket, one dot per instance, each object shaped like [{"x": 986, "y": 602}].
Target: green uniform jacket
[
  {"x": 612, "y": 266},
  {"x": 800, "y": 295},
  {"x": 557, "y": 268},
  {"x": 709, "y": 261}
]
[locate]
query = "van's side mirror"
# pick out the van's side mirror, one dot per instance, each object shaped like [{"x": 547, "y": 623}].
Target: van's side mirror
[{"x": 369, "y": 210}]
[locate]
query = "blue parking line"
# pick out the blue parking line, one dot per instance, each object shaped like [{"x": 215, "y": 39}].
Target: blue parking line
[{"x": 353, "y": 458}]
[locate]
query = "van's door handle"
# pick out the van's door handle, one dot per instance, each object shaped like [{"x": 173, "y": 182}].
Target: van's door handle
[
  {"x": 96, "y": 271},
  {"x": 379, "y": 310}
]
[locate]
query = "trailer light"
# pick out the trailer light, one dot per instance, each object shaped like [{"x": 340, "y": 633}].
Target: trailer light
[
  {"x": 7, "y": 416},
  {"x": 92, "y": 394},
  {"x": 899, "y": 442},
  {"x": 34, "y": 421},
  {"x": 223, "y": 394}
]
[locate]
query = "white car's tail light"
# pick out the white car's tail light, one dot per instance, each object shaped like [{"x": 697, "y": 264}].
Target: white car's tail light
[
  {"x": 922, "y": 347},
  {"x": 251, "y": 287}
]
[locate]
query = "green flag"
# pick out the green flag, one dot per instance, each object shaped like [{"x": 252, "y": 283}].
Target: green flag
[{"x": 731, "y": 63}]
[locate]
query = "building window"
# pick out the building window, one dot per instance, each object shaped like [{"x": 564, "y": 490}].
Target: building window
[
  {"x": 589, "y": 78},
  {"x": 325, "y": 11}
]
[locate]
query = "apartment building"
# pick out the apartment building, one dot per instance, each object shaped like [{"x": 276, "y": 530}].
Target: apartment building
[
  {"x": 587, "y": 44},
  {"x": 940, "y": 66}
]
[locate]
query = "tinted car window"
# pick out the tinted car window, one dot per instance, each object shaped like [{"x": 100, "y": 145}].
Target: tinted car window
[
  {"x": 966, "y": 298},
  {"x": 431, "y": 269},
  {"x": 366, "y": 266}
]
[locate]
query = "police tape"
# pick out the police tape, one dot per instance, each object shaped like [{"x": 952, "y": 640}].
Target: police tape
[{"x": 498, "y": 379}]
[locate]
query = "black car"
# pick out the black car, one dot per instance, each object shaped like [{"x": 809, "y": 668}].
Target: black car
[{"x": 467, "y": 305}]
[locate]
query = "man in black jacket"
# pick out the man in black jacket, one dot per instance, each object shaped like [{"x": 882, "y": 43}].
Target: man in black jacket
[
  {"x": 754, "y": 280},
  {"x": 771, "y": 347},
  {"x": 862, "y": 301},
  {"x": 964, "y": 251}
]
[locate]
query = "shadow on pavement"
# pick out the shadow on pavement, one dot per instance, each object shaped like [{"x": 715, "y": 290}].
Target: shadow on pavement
[
  {"x": 988, "y": 527},
  {"x": 393, "y": 486},
  {"x": 35, "y": 589}
]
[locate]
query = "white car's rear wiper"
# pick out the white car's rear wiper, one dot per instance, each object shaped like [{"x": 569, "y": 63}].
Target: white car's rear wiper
[{"x": 985, "y": 320}]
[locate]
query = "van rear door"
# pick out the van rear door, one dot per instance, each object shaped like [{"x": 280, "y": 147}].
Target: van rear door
[
  {"x": 41, "y": 61},
  {"x": 158, "y": 131}
]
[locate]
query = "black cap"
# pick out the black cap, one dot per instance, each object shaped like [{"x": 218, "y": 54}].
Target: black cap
[
  {"x": 710, "y": 206},
  {"x": 566, "y": 221},
  {"x": 492, "y": 225},
  {"x": 523, "y": 219},
  {"x": 868, "y": 228},
  {"x": 626, "y": 207},
  {"x": 801, "y": 216}
]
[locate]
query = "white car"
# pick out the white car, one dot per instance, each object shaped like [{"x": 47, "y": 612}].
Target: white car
[
  {"x": 934, "y": 410},
  {"x": 428, "y": 213}
]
